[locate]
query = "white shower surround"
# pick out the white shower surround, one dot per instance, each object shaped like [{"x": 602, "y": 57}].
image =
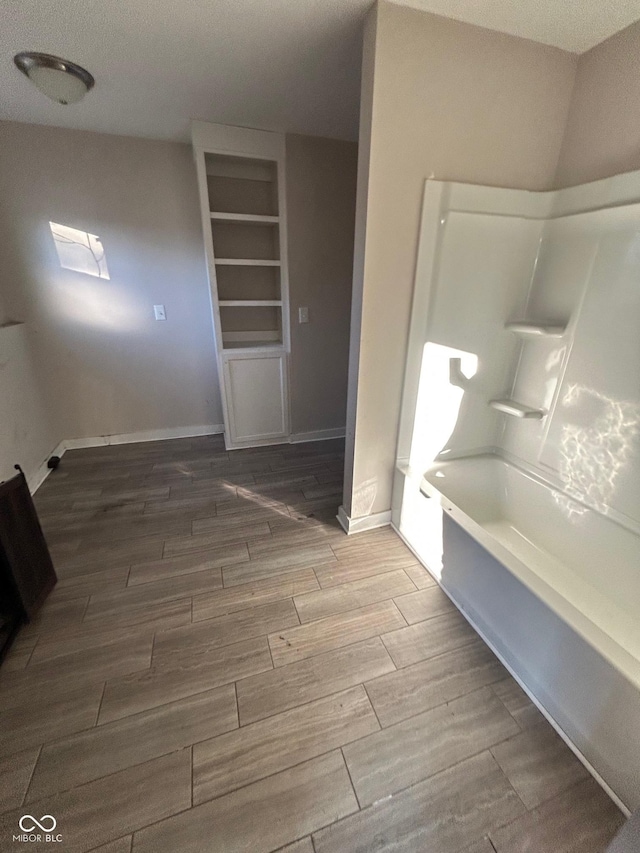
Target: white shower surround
[{"x": 552, "y": 580}]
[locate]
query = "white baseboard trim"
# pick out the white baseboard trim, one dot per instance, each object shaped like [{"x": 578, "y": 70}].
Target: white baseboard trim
[
  {"x": 42, "y": 472},
  {"x": 367, "y": 522},
  {"x": 318, "y": 435},
  {"x": 38, "y": 478},
  {"x": 144, "y": 435}
]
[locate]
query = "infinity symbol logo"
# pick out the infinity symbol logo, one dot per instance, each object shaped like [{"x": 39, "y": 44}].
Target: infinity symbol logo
[{"x": 41, "y": 824}]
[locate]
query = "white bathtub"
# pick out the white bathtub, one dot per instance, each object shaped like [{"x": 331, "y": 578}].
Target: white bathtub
[{"x": 583, "y": 565}]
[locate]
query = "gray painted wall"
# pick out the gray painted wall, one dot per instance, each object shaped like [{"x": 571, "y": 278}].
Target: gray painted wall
[{"x": 99, "y": 363}]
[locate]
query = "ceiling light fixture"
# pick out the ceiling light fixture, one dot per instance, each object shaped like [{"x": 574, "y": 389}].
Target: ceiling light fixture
[{"x": 58, "y": 79}]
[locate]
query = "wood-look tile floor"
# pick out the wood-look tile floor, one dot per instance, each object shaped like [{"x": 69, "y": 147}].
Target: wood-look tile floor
[{"x": 221, "y": 669}]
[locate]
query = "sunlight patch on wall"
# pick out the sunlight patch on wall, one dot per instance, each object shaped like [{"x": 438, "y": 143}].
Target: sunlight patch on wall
[
  {"x": 596, "y": 448},
  {"x": 78, "y": 250},
  {"x": 443, "y": 378}
]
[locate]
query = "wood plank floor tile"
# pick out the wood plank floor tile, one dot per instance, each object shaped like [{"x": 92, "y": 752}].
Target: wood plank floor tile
[
  {"x": 198, "y": 638},
  {"x": 110, "y": 556},
  {"x": 292, "y": 463},
  {"x": 251, "y": 505},
  {"x": 81, "y": 586},
  {"x": 129, "y": 531},
  {"x": 47, "y": 715},
  {"x": 330, "y": 477},
  {"x": 518, "y": 703},
  {"x": 278, "y": 690},
  {"x": 327, "y": 634},
  {"x": 292, "y": 475},
  {"x": 418, "y": 606},
  {"x": 129, "y": 625},
  {"x": 181, "y": 675},
  {"x": 445, "y": 814},
  {"x": 388, "y": 761},
  {"x": 482, "y": 846},
  {"x": 308, "y": 509},
  {"x": 420, "y": 576},
  {"x": 15, "y": 774},
  {"x": 20, "y": 652},
  {"x": 539, "y": 764},
  {"x": 197, "y": 506},
  {"x": 143, "y": 494},
  {"x": 208, "y": 488},
  {"x": 133, "y": 740},
  {"x": 581, "y": 820},
  {"x": 260, "y": 817},
  {"x": 168, "y": 567},
  {"x": 325, "y": 490},
  {"x": 277, "y": 564},
  {"x": 354, "y": 568},
  {"x": 427, "y": 639},
  {"x": 229, "y": 534},
  {"x": 55, "y": 615},
  {"x": 109, "y": 507},
  {"x": 382, "y": 538},
  {"x": 116, "y": 604},
  {"x": 248, "y": 595},
  {"x": 238, "y": 758},
  {"x": 122, "y": 845},
  {"x": 305, "y": 532},
  {"x": 349, "y": 596},
  {"x": 302, "y": 846},
  {"x": 118, "y": 657},
  {"x": 222, "y": 522},
  {"x": 427, "y": 684},
  {"x": 104, "y": 810}
]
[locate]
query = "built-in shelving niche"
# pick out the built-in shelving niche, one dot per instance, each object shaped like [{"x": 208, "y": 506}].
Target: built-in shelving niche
[
  {"x": 245, "y": 230},
  {"x": 241, "y": 185}
]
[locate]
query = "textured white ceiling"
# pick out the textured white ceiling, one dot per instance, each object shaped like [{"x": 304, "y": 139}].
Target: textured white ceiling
[
  {"x": 574, "y": 25},
  {"x": 276, "y": 64}
]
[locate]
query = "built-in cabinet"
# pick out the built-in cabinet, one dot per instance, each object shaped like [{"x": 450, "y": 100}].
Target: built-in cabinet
[{"x": 241, "y": 178}]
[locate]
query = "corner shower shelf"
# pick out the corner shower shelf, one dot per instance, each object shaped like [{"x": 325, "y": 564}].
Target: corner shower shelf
[
  {"x": 254, "y": 218},
  {"x": 516, "y": 410},
  {"x": 536, "y": 330},
  {"x": 245, "y": 262}
]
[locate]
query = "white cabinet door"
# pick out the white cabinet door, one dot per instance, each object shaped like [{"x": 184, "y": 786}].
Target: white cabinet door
[{"x": 257, "y": 397}]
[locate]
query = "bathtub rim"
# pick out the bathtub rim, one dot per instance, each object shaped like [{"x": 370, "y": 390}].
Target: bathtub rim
[{"x": 607, "y": 634}]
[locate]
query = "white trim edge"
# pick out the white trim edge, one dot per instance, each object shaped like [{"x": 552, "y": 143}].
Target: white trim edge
[
  {"x": 144, "y": 435},
  {"x": 367, "y": 522},
  {"x": 41, "y": 473},
  {"x": 318, "y": 435}
]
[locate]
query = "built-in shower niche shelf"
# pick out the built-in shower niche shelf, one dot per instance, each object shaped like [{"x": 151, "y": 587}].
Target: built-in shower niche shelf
[
  {"x": 537, "y": 330},
  {"x": 516, "y": 410}
]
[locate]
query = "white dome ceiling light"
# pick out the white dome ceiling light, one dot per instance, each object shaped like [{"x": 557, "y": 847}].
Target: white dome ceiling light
[{"x": 58, "y": 79}]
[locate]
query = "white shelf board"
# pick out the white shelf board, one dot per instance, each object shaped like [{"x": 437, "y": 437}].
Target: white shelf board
[
  {"x": 516, "y": 410},
  {"x": 245, "y": 262},
  {"x": 245, "y": 217},
  {"x": 536, "y": 330},
  {"x": 234, "y": 346},
  {"x": 250, "y": 303}
]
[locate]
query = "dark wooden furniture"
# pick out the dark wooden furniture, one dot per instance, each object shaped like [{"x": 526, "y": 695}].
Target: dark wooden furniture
[{"x": 26, "y": 571}]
